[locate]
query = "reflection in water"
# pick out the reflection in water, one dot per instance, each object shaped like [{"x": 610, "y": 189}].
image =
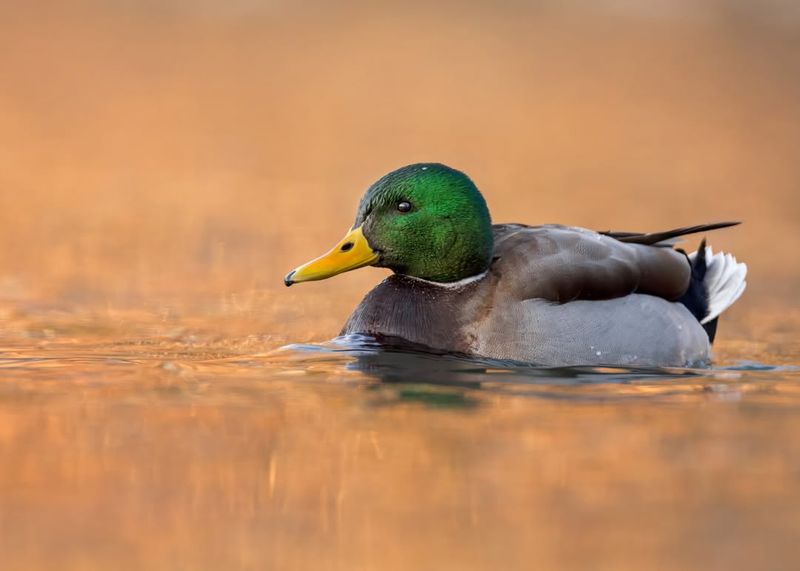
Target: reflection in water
[
  {"x": 396, "y": 361},
  {"x": 179, "y": 453}
]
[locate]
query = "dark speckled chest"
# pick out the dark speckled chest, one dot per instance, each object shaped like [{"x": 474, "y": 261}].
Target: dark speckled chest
[{"x": 423, "y": 313}]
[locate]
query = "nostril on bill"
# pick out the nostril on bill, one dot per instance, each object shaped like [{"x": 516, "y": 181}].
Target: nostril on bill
[{"x": 346, "y": 247}]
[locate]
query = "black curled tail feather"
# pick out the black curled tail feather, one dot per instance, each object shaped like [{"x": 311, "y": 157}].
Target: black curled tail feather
[{"x": 696, "y": 297}]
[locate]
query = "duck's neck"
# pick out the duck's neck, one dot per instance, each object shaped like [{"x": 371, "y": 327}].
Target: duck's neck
[
  {"x": 445, "y": 253},
  {"x": 451, "y": 285}
]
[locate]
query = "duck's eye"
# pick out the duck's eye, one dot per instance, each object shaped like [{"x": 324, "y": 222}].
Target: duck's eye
[{"x": 404, "y": 206}]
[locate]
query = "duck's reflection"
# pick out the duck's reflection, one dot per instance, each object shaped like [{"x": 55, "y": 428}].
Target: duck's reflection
[{"x": 405, "y": 372}]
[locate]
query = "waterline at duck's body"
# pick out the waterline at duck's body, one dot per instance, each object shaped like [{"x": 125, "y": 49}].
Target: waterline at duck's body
[{"x": 636, "y": 330}]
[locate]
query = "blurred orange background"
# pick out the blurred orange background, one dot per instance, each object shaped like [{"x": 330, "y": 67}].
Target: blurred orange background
[{"x": 180, "y": 152}]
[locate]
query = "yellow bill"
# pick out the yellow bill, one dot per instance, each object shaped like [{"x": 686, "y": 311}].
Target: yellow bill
[{"x": 352, "y": 252}]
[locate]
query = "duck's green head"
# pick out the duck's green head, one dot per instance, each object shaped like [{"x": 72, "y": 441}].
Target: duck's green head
[{"x": 425, "y": 220}]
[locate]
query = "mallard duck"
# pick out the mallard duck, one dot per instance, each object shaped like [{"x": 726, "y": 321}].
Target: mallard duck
[{"x": 551, "y": 295}]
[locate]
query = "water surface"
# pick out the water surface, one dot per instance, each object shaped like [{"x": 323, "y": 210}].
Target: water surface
[{"x": 186, "y": 451}]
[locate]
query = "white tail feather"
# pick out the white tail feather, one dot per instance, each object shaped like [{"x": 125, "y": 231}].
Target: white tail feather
[{"x": 724, "y": 281}]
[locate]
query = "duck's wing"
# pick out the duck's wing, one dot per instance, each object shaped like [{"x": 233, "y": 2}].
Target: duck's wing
[
  {"x": 666, "y": 238},
  {"x": 562, "y": 263}
]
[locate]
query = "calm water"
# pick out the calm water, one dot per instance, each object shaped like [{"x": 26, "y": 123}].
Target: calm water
[{"x": 180, "y": 452}]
